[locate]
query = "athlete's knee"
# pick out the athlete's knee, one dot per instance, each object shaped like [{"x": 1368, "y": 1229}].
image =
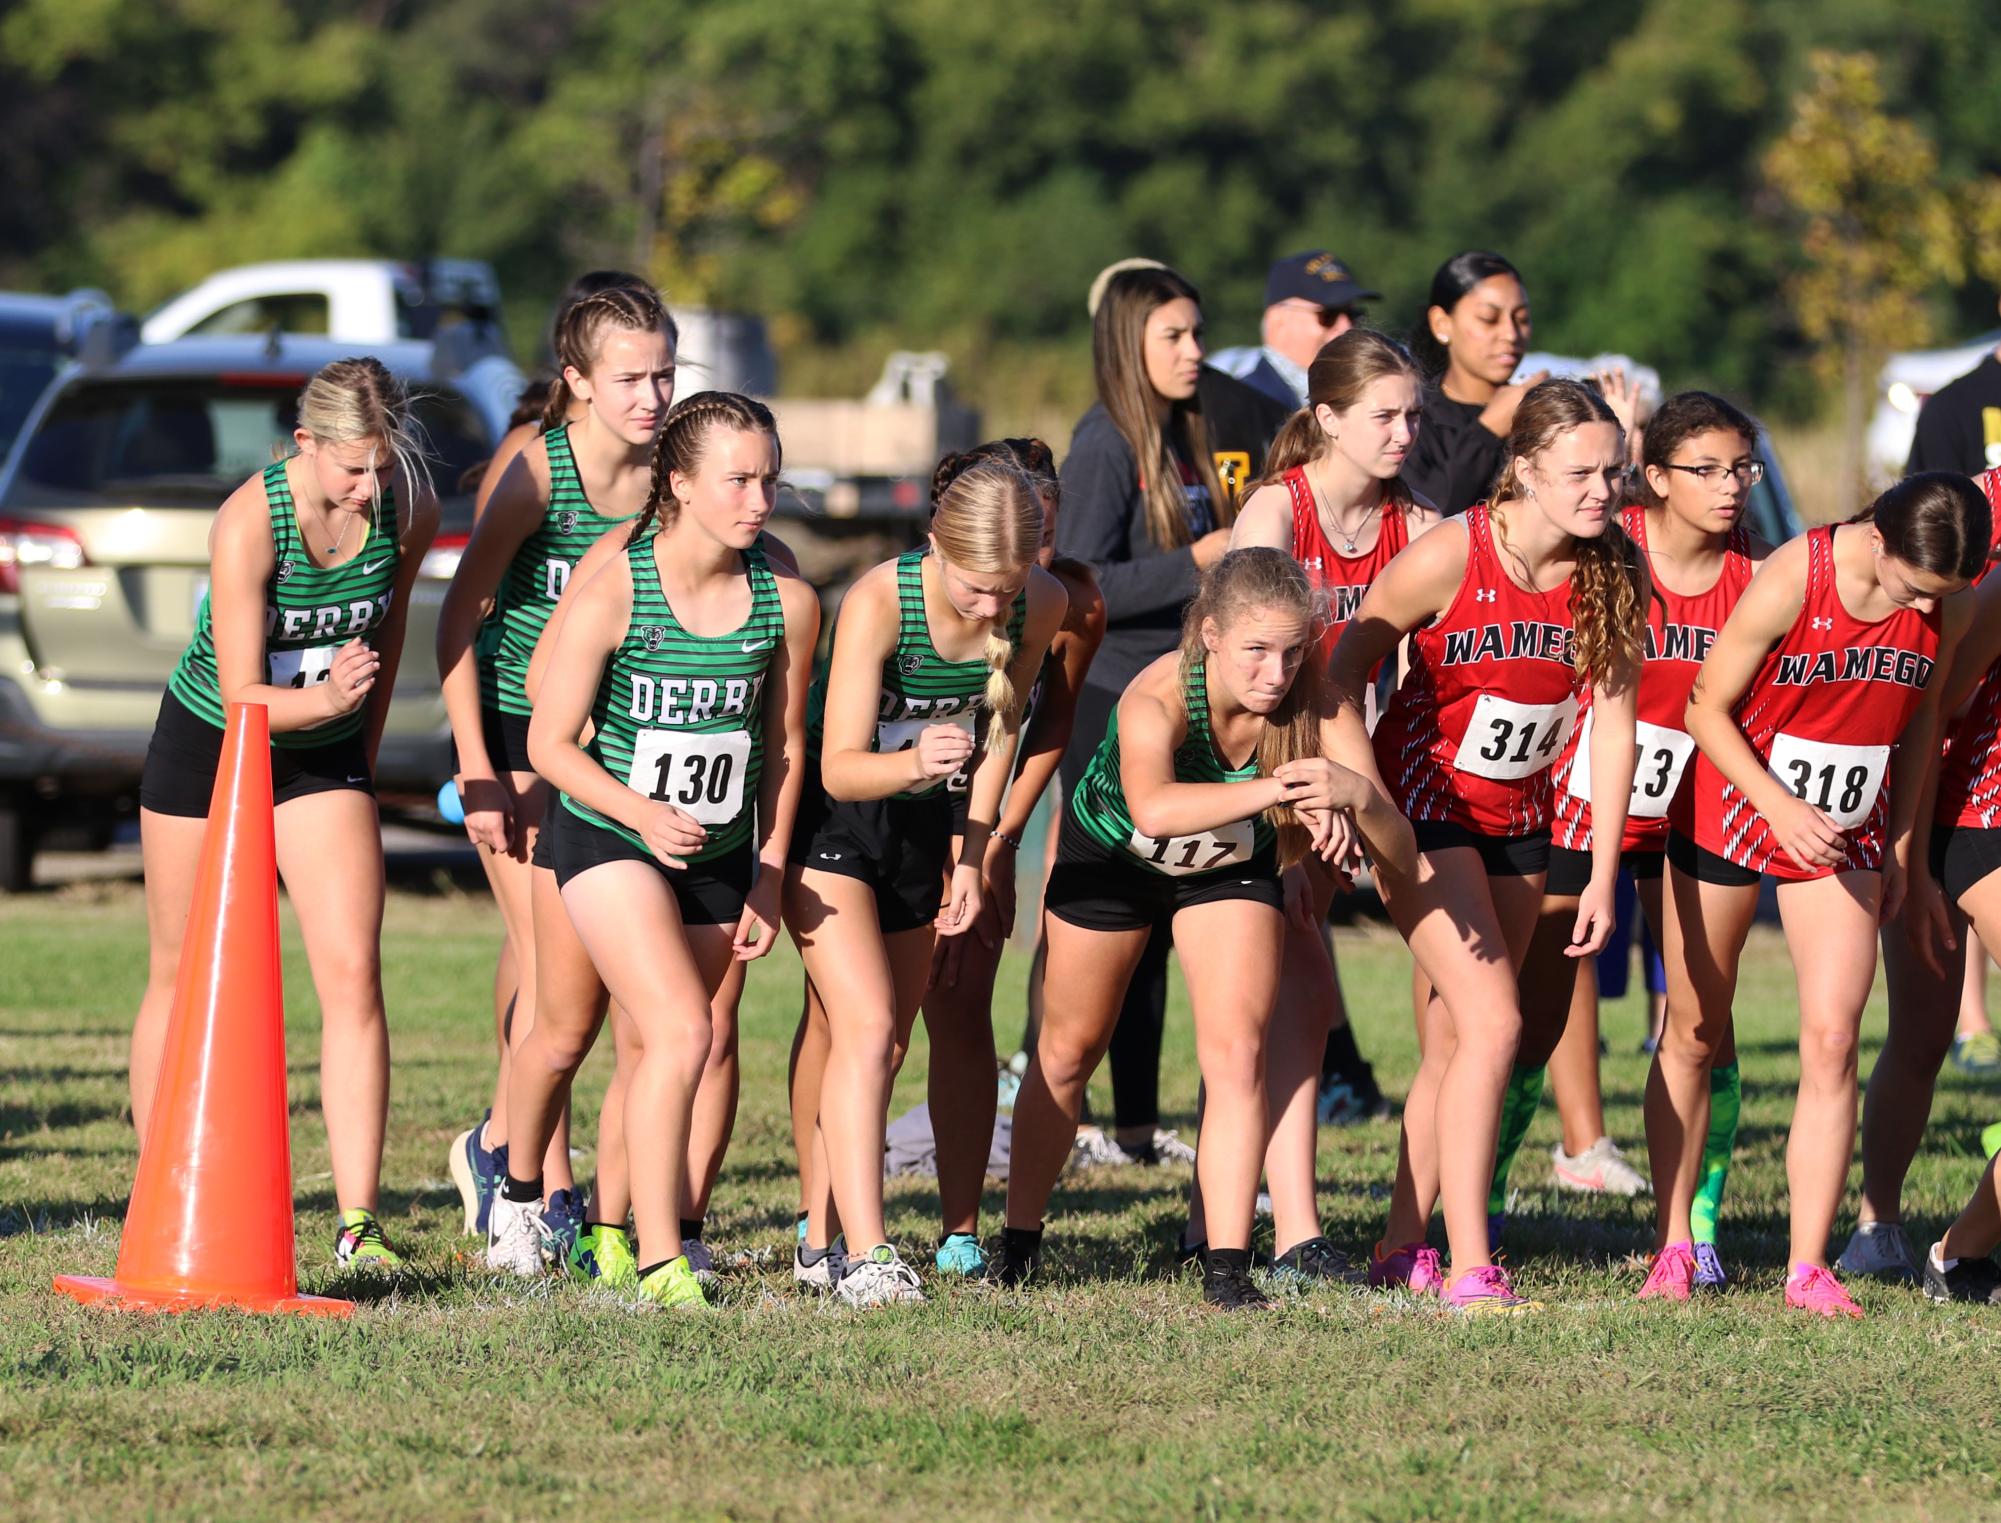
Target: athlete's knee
[
  {"x": 1068, "y": 1056},
  {"x": 1828, "y": 1051}
]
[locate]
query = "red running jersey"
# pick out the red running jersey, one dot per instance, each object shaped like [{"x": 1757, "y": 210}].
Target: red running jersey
[
  {"x": 1680, "y": 631},
  {"x": 1828, "y": 703},
  {"x": 1969, "y": 780},
  {"x": 1344, "y": 578},
  {"x": 1488, "y": 701}
]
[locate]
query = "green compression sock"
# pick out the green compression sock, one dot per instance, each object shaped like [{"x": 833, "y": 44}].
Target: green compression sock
[
  {"x": 1518, "y": 1108},
  {"x": 1726, "y": 1099}
]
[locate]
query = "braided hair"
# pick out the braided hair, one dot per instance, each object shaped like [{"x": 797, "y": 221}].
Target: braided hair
[{"x": 683, "y": 438}]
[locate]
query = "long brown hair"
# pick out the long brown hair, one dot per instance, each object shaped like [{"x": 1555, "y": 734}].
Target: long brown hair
[
  {"x": 1246, "y": 581},
  {"x": 1118, "y": 360},
  {"x": 1606, "y": 611},
  {"x": 988, "y": 520},
  {"x": 580, "y": 331},
  {"x": 1938, "y": 521},
  {"x": 1339, "y": 374},
  {"x": 684, "y": 436}
]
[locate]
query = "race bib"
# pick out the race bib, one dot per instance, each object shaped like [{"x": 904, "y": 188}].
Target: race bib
[
  {"x": 1508, "y": 741},
  {"x": 1663, "y": 755},
  {"x": 1178, "y": 856},
  {"x": 699, "y": 774},
  {"x": 1841, "y": 781},
  {"x": 301, "y": 668},
  {"x": 902, "y": 734}
]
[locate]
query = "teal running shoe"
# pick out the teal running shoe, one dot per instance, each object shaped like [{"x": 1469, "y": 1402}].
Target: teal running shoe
[{"x": 960, "y": 1254}]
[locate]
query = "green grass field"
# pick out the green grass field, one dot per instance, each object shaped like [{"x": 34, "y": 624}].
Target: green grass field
[{"x": 1107, "y": 1393}]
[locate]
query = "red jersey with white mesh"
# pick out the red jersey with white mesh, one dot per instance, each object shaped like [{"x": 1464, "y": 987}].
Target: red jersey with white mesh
[
  {"x": 1969, "y": 780},
  {"x": 1827, "y": 705},
  {"x": 1344, "y": 578},
  {"x": 1680, "y": 631},
  {"x": 1487, "y": 702}
]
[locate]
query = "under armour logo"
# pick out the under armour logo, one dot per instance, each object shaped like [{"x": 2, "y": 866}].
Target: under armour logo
[
  {"x": 1486, "y": 595},
  {"x": 1827, "y": 623},
  {"x": 284, "y": 571},
  {"x": 653, "y": 636},
  {"x": 567, "y": 523}
]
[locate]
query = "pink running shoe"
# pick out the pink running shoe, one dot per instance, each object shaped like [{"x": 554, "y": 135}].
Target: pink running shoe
[
  {"x": 1811, "y": 1288},
  {"x": 1485, "y": 1292},
  {"x": 1413, "y": 1267},
  {"x": 1673, "y": 1276}
]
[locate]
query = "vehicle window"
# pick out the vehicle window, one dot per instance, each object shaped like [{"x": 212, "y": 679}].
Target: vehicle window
[
  {"x": 287, "y": 312},
  {"x": 175, "y": 439},
  {"x": 25, "y": 371}
]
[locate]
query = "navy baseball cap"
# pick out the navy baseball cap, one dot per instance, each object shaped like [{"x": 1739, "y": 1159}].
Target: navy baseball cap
[{"x": 1316, "y": 276}]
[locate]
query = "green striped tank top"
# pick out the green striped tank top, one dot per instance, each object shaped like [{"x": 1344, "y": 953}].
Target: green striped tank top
[
  {"x": 921, "y": 688},
  {"x": 679, "y": 717},
  {"x": 1099, "y": 801},
  {"x": 310, "y": 612},
  {"x": 537, "y": 575}
]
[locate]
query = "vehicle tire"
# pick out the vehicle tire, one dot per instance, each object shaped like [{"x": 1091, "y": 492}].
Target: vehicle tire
[{"x": 17, "y": 849}]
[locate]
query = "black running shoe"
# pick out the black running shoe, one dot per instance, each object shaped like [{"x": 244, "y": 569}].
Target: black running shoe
[
  {"x": 1020, "y": 1255},
  {"x": 1227, "y": 1284},
  {"x": 1976, "y": 1280},
  {"x": 1313, "y": 1260}
]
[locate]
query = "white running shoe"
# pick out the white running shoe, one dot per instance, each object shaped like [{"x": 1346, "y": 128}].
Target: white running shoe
[
  {"x": 1095, "y": 1148},
  {"x": 517, "y": 1240},
  {"x": 825, "y": 1272},
  {"x": 878, "y": 1278},
  {"x": 1600, "y": 1169},
  {"x": 1169, "y": 1148},
  {"x": 700, "y": 1260},
  {"x": 1879, "y": 1249}
]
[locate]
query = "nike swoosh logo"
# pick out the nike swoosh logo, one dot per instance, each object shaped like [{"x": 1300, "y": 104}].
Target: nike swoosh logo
[
  {"x": 374, "y": 566},
  {"x": 752, "y": 647},
  {"x": 357, "y": 780}
]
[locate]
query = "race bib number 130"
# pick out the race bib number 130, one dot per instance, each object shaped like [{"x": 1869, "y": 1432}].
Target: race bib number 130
[{"x": 701, "y": 775}]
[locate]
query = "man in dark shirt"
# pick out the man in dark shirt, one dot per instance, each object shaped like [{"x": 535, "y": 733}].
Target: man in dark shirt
[{"x": 1959, "y": 427}]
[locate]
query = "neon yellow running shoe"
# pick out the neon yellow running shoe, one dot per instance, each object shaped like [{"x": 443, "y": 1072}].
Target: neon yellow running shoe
[
  {"x": 360, "y": 1244},
  {"x": 602, "y": 1254},
  {"x": 674, "y": 1284}
]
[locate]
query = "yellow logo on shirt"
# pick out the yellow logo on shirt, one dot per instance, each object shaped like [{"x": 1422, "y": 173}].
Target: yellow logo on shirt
[{"x": 1233, "y": 469}]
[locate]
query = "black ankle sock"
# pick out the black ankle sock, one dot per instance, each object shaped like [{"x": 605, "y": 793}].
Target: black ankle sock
[
  {"x": 521, "y": 1190},
  {"x": 1343, "y": 1057},
  {"x": 648, "y": 1269},
  {"x": 691, "y": 1227},
  {"x": 1229, "y": 1258},
  {"x": 592, "y": 1224}
]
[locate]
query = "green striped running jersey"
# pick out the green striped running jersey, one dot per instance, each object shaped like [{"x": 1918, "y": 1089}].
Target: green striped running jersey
[
  {"x": 680, "y": 717},
  {"x": 1099, "y": 800},
  {"x": 921, "y": 688},
  {"x": 310, "y": 612},
  {"x": 537, "y": 575}
]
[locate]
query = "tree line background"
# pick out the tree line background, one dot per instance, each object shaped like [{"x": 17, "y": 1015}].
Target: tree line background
[{"x": 1756, "y": 196}]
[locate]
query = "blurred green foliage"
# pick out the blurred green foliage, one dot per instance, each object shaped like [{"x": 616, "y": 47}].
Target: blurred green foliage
[{"x": 939, "y": 172}]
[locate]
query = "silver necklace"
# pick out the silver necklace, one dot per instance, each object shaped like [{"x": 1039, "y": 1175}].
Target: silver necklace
[
  {"x": 341, "y": 538},
  {"x": 1327, "y": 516}
]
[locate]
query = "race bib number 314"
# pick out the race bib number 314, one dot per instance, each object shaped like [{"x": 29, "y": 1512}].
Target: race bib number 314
[{"x": 1508, "y": 741}]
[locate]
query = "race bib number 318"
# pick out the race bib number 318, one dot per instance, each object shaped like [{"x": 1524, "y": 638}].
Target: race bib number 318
[{"x": 1840, "y": 781}]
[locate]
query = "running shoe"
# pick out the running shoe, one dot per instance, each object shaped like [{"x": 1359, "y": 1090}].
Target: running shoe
[
  {"x": 703, "y": 1262},
  {"x": 1487, "y": 1292},
  {"x": 1008, "y": 1083},
  {"x": 1414, "y": 1267},
  {"x": 1020, "y": 1255},
  {"x": 1811, "y": 1288},
  {"x": 1672, "y": 1277},
  {"x": 1227, "y": 1285},
  {"x": 1969, "y": 1279},
  {"x": 1342, "y": 1102},
  {"x": 1709, "y": 1272},
  {"x": 1979, "y": 1053},
  {"x": 1880, "y": 1250},
  {"x": 564, "y": 1217},
  {"x": 1095, "y": 1148},
  {"x": 1600, "y": 1169},
  {"x": 819, "y": 1269},
  {"x": 603, "y": 1255},
  {"x": 1311, "y": 1261},
  {"x": 518, "y": 1237},
  {"x": 674, "y": 1284},
  {"x": 960, "y": 1254},
  {"x": 477, "y": 1171},
  {"x": 879, "y": 1278},
  {"x": 360, "y": 1244},
  {"x": 1167, "y": 1147}
]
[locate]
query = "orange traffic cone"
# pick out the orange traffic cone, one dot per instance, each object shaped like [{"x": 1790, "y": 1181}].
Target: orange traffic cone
[{"x": 210, "y": 1222}]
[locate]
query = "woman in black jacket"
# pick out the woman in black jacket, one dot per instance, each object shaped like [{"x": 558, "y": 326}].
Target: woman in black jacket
[
  {"x": 1142, "y": 506},
  {"x": 1476, "y": 329}
]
